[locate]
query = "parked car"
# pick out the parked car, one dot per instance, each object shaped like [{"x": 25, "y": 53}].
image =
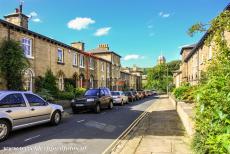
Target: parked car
[
  {"x": 136, "y": 95},
  {"x": 19, "y": 109},
  {"x": 131, "y": 96},
  {"x": 93, "y": 99},
  {"x": 119, "y": 97},
  {"x": 140, "y": 94}
]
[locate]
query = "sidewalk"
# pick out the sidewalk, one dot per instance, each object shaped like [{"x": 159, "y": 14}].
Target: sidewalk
[{"x": 159, "y": 132}]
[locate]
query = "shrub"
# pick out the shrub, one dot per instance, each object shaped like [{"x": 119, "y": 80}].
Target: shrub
[
  {"x": 180, "y": 91},
  {"x": 45, "y": 94},
  {"x": 49, "y": 82},
  {"x": 79, "y": 92},
  {"x": 65, "y": 95}
]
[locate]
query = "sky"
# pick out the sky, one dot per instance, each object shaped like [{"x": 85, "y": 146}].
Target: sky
[{"x": 138, "y": 30}]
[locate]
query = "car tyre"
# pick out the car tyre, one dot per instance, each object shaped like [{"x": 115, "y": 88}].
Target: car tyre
[
  {"x": 97, "y": 108},
  {"x": 122, "y": 103},
  {"x": 56, "y": 118},
  {"x": 5, "y": 130},
  {"x": 110, "y": 105},
  {"x": 74, "y": 111}
]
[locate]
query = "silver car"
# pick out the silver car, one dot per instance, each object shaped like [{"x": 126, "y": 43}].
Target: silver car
[
  {"x": 119, "y": 97},
  {"x": 23, "y": 109}
]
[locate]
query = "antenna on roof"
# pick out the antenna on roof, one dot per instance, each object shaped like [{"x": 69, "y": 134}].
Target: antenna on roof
[{"x": 20, "y": 5}]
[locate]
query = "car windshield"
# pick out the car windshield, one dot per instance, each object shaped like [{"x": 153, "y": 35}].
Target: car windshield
[
  {"x": 92, "y": 92},
  {"x": 115, "y": 93},
  {"x": 128, "y": 93}
]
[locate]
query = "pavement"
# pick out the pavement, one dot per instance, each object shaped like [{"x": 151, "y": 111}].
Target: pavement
[
  {"x": 84, "y": 133},
  {"x": 159, "y": 132}
]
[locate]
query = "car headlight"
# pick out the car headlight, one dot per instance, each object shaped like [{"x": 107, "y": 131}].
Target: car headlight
[{"x": 72, "y": 101}]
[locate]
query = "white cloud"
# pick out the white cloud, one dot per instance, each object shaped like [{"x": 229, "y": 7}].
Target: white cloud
[
  {"x": 36, "y": 20},
  {"x": 33, "y": 14},
  {"x": 34, "y": 17},
  {"x": 164, "y": 15},
  {"x": 102, "y": 31},
  {"x": 133, "y": 57},
  {"x": 80, "y": 23}
]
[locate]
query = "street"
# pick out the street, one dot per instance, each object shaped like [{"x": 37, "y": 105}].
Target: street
[{"x": 78, "y": 133}]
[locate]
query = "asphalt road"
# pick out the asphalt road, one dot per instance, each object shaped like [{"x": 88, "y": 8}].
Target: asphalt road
[{"x": 78, "y": 133}]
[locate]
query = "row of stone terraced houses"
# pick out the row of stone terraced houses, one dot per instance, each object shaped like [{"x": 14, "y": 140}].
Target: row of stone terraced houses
[
  {"x": 195, "y": 59},
  {"x": 99, "y": 67}
]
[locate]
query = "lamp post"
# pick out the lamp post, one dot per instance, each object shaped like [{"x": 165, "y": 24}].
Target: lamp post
[{"x": 167, "y": 81}]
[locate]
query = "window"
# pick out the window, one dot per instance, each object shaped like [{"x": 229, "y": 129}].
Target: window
[
  {"x": 34, "y": 100},
  {"x": 210, "y": 52},
  {"x": 82, "y": 61},
  {"x": 12, "y": 100},
  {"x": 91, "y": 63},
  {"x": 60, "y": 56},
  {"x": 75, "y": 59},
  {"x": 61, "y": 82},
  {"x": 102, "y": 66},
  {"x": 27, "y": 47}
]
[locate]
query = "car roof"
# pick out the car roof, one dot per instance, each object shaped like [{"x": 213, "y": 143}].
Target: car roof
[{"x": 11, "y": 91}]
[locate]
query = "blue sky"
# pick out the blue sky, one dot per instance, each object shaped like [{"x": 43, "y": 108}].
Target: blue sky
[{"x": 138, "y": 30}]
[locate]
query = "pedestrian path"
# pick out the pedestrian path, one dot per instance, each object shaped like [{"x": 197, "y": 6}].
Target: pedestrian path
[{"x": 159, "y": 132}]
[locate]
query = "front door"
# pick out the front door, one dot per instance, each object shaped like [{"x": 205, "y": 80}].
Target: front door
[{"x": 39, "y": 109}]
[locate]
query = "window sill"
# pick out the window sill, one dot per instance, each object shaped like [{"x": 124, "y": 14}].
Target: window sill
[
  {"x": 29, "y": 57},
  {"x": 60, "y": 63},
  {"x": 91, "y": 68},
  {"x": 82, "y": 67},
  {"x": 74, "y": 65}
]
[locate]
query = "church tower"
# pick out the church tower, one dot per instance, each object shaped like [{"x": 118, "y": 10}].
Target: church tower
[{"x": 161, "y": 60}]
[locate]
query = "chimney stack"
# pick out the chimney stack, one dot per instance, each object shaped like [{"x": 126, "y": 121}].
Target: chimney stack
[
  {"x": 104, "y": 46},
  {"x": 78, "y": 45}
]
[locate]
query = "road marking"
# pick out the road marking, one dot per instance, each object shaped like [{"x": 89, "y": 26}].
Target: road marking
[
  {"x": 103, "y": 113},
  {"x": 111, "y": 147},
  {"x": 28, "y": 139},
  {"x": 80, "y": 121}
]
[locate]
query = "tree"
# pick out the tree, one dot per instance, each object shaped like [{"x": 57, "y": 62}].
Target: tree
[
  {"x": 12, "y": 64},
  {"x": 49, "y": 83},
  {"x": 212, "y": 97},
  {"x": 161, "y": 76}
]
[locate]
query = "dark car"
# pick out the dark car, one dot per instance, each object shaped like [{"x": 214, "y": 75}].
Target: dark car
[
  {"x": 136, "y": 95},
  {"x": 93, "y": 99},
  {"x": 130, "y": 95}
]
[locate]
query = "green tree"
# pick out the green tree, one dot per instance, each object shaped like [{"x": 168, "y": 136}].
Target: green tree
[
  {"x": 161, "y": 76},
  {"x": 12, "y": 64}
]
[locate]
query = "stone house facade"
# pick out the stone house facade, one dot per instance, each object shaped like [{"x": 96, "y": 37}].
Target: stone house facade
[
  {"x": 195, "y": 60},
  {"x": 86, "y": 69}
]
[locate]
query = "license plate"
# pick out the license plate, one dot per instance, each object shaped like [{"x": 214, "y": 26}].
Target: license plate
[
  {"x": 90, "y": 100},
  {"x": 79, "y": 105}
]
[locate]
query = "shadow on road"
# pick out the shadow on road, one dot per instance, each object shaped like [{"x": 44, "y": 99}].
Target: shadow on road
[{"x": 109, "y": 124}]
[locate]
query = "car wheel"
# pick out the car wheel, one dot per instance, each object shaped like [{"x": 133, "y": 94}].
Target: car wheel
[
  {"x": 4, "y": 130},
  {"x": 110, "y": 105},
  {"x": 122, "y": 102},
  {"x": 56, "y": 118},
  {"x": 74, "y": 111},
  {"x": 97, "y": 108}
]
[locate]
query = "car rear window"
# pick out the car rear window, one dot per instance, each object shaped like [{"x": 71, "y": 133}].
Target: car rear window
[
  {"x": 115, "y": 93},
  {"x": 92, "y": 92}
]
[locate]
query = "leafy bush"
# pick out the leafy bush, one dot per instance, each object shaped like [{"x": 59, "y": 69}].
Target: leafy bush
[
  {"x": 213, "y": 95},
  {"x": 65, "y": 95},
  {"x": 49, "y": 82},
  {"x": 79, "y": 92},
  {"x": 180, "y": 91},
  {"x": 45, "y": 94}
]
